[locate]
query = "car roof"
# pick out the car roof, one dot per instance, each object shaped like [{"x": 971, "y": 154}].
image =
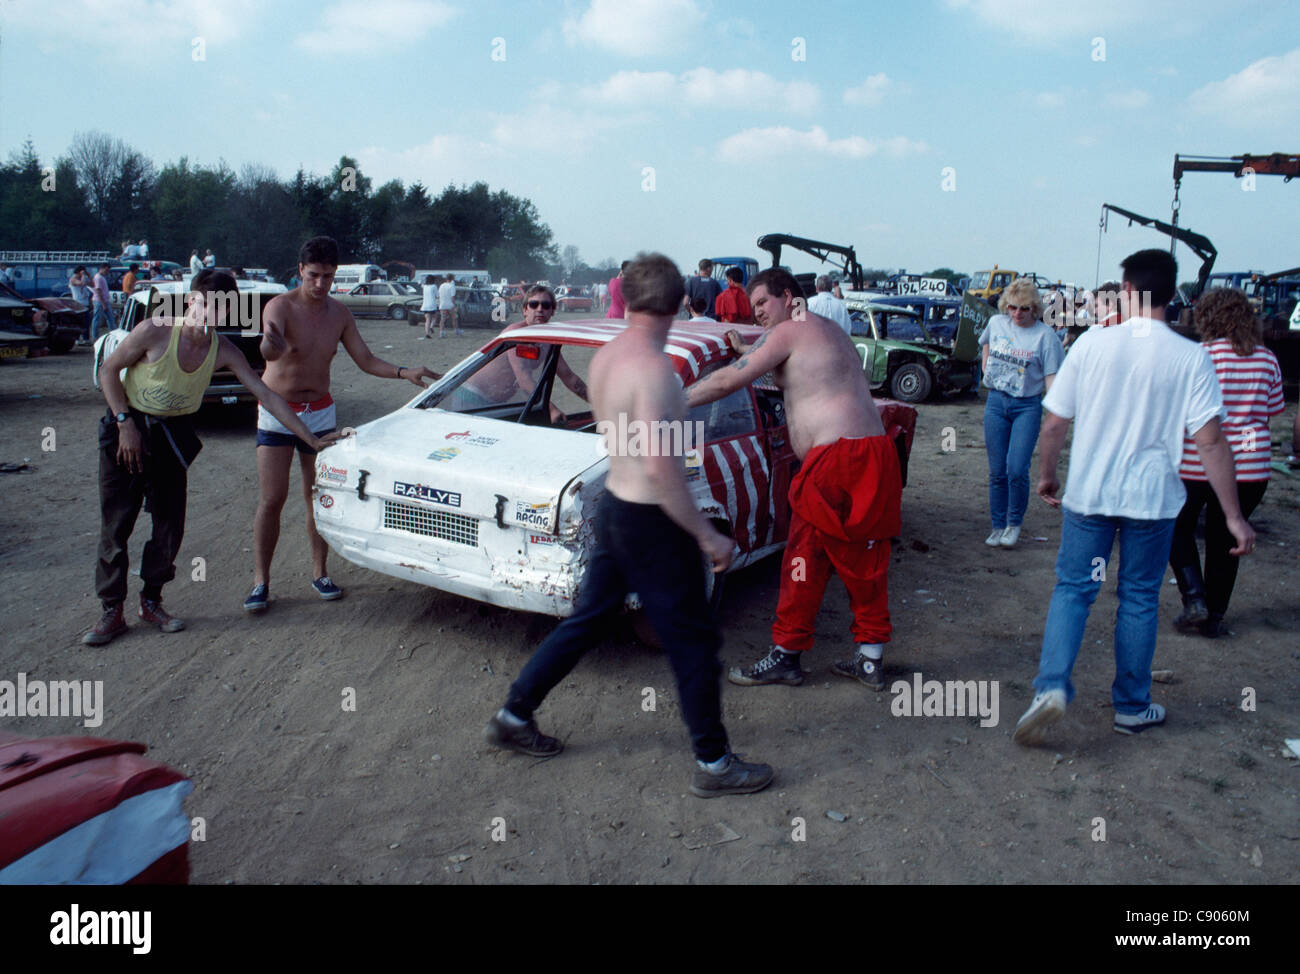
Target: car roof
[{"x": 693, "y": 348}]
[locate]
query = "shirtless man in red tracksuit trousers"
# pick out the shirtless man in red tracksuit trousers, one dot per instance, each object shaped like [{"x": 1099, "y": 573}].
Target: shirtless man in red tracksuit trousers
[{"x": 845, "y": 498}]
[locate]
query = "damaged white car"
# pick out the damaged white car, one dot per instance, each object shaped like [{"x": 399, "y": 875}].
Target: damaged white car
[{"x": 484, "y": 484}]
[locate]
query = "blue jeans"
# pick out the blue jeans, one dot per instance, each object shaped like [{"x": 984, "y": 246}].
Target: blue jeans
[
  {"x": 1010, "y": 434},
  {"x": 1080, "y": 569},
  {"x": 103, "y": 317}
]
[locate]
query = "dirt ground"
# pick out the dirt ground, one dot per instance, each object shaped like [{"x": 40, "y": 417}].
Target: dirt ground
[{"x": 294, "y": 789}]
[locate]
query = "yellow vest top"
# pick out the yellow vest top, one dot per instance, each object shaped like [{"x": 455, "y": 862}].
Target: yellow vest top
[{"x": 163, "y": 388}]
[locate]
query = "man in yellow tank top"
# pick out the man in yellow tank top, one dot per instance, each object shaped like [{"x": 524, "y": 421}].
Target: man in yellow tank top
[{"x": 147, "y": 442}]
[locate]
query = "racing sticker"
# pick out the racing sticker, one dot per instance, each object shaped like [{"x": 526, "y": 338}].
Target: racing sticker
[
  {"x": 444, "y": 454},
  {"x": 335, "y": 475},
  {"x": 533, "y": 515},
  {"x": 540, "y": 539},
  {"x": 471, "y": 439},
  {"x": 694, "y": 465},
  {"x": 432, "y": 495},
  {"x": 327, "y": 506}
]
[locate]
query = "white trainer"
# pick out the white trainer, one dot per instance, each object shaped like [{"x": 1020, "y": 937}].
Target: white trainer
[
  {"x": 995, "y": 539},
  {"x": 1010, "y": 536},
  {"x": 1048, "y": 707},
  {"x": 1153, "y": 716}
]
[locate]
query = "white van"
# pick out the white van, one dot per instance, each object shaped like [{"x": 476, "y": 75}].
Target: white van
[
  {"x": 470, "y": 277},
  {"x": 349, "y": 276}
]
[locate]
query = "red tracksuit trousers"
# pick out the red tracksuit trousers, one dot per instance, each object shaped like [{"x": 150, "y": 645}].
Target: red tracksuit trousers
[{"x": 844, "y": 509}]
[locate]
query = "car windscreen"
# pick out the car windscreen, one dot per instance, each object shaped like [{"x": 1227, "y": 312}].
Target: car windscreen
[{"x": 533, "y": 382}]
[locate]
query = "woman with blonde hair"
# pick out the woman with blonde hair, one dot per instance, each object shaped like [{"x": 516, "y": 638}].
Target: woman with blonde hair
[
  {"x": 1020, "y": 357},
  {"x": 1251, "y": 381}
]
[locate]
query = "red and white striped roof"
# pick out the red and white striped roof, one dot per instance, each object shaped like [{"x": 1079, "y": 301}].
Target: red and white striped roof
[{"x": 694, "y": 348}]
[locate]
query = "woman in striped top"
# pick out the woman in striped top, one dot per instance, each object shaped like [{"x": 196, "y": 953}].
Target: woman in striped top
[{"x": 1252, "y": 394}]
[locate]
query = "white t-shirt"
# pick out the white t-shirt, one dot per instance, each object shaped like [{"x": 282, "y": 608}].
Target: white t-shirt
[
  {"x": 829, "y": 306},
  {"x": 196, "y": 265},
  {"x": 1133, "y": 390},
  {"x": 446, "y": 296},
  {"x": 430, "y": 292},
  {"x": 1020, "y": 359}
]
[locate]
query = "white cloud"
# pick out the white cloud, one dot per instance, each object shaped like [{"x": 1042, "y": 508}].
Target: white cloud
[
  {"x": 635, "y": 28},
  {"x": 362, "y": 27},
  {"x": 1132, "y": 99},
  {"x": 1050, "y": 99},
  {"x": 705, "y": 88},
  {"x": 1055, "y": 20},
  {"x": 634, "y": 88},
  {"x": 873, "y": 90},
  {"x": 782, "y": 140},
  {"x": 1264, "y": 91},
  {"x": 115, "y": 28}
]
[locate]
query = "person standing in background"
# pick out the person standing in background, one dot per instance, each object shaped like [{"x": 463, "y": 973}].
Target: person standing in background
[{"x": 616, "y": 306}]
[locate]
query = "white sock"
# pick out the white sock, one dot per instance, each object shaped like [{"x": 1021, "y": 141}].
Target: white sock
[
  {"x": 715, "y": 767},
  {"x": 874, "y": 651},
  {"x": 784, "y": 651},
  {"x": 506, "y": 717}
]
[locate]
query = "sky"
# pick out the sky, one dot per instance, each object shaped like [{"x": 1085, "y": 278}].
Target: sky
[{"x": 954, "y": 133}]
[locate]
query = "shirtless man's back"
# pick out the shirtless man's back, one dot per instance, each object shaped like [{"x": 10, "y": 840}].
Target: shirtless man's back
[
  {"x": 845, "y": 498},
  {"x": 649, "y": 538},
  {"x": 301, "y": 332}
]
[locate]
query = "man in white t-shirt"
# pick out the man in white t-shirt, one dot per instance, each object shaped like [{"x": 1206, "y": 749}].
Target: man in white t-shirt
[
  {"x": 1132, "y": 390},
  {"x": 827, "y": 305},
  {"x": 447, "y": 305}
]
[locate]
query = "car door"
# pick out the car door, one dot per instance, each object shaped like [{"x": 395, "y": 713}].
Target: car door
[{"x": 735, "y": 461}]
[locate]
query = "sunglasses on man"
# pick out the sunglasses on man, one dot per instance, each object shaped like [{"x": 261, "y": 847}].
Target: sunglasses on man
[{"x": 543, "y": 305}]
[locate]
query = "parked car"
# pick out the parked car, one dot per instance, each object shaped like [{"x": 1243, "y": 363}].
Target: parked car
[
  {"x": 381, "y": 299},
  {"x": 17, "y": 337},
  {"x": 910, "y": 370},
  {"x": 574, "y": 301},
  {"x": 938, "y": 317},
  {"x": 474, "y": 489},
  {"x": 166, "y": 298},
  {"x": 58, "y": 321},
  {"x": 476, "y": 305}
]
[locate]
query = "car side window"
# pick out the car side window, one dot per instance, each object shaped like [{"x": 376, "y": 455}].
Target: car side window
[{"x": 732, "y": 415}]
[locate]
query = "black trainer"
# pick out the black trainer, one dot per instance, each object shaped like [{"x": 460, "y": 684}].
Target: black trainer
[
  {"x": 737, "y": 778},
  {"x": 775, "y": 667},
  {"x": 526, "y": 740},
  {"x": 868, "y": 672}
]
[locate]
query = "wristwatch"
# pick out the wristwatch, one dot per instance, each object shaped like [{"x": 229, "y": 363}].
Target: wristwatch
[{"x": 122, "y": 417}]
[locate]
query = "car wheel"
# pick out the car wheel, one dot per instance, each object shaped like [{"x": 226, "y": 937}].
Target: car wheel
[
  {"x": 397, "y": 312},
  {"x": 910, "y": 383}
]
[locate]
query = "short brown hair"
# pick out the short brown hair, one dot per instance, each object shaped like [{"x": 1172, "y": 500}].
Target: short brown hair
[
  {"x": 1225, "y": 312},
  {"x": 653, "y": 284},
  {"x": 777, "y": 280},
  {"x": 706, "y": 265}
]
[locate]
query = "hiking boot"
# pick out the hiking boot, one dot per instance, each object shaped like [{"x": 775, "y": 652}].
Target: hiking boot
[
  {"x": 1194, "y": 613},
  {"x": 110, "y": 625},
  {"x": 1153, "y": 716},
  {"x": 526, "y": 739},
  {"x": 153, "y": 613},
  {"x": 737, "y": 778},
  {"x": 1048, "y": 707},
  {"x": 775, "y": 667},
  {"x": 257, "y": 599},
  {"x": 868, "y": 672},
  {"x": 326, "y": 589}
]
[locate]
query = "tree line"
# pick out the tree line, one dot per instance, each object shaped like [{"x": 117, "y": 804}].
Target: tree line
[{"x": 103, "y": 192}]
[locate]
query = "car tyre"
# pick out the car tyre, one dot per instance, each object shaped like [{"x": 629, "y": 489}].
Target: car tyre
[
  {"x": 397, "y": 312},
  {"x": 910, "y": 383}
]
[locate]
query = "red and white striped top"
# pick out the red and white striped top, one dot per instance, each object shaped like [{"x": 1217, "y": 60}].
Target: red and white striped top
[{"x": 1252, "y": 394}]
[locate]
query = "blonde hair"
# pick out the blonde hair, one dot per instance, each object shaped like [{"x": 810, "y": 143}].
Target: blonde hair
[{"x": 1022, "y": 291}]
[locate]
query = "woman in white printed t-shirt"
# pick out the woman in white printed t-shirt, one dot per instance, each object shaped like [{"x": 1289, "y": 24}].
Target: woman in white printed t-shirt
[
  {"x": 1020, "y": 357},
  {"x": 1251, "y": 382},
  {"x": 429, "y": 305}
]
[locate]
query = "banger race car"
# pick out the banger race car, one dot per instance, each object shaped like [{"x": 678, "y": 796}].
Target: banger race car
[{"x": 485, "y": 484}]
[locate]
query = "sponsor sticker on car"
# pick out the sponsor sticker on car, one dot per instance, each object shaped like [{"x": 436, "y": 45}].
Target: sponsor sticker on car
[
  {"x": 533, "y": 515},
  {"x": 335, "y": 475},
  {"x": 444, "y": 454},
  {"x": 473, "y": 440},
  {"x": 432, "y": 495}
]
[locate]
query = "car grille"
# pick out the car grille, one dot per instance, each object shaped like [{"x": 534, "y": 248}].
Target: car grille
[{"x": 456, "y": 528}]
